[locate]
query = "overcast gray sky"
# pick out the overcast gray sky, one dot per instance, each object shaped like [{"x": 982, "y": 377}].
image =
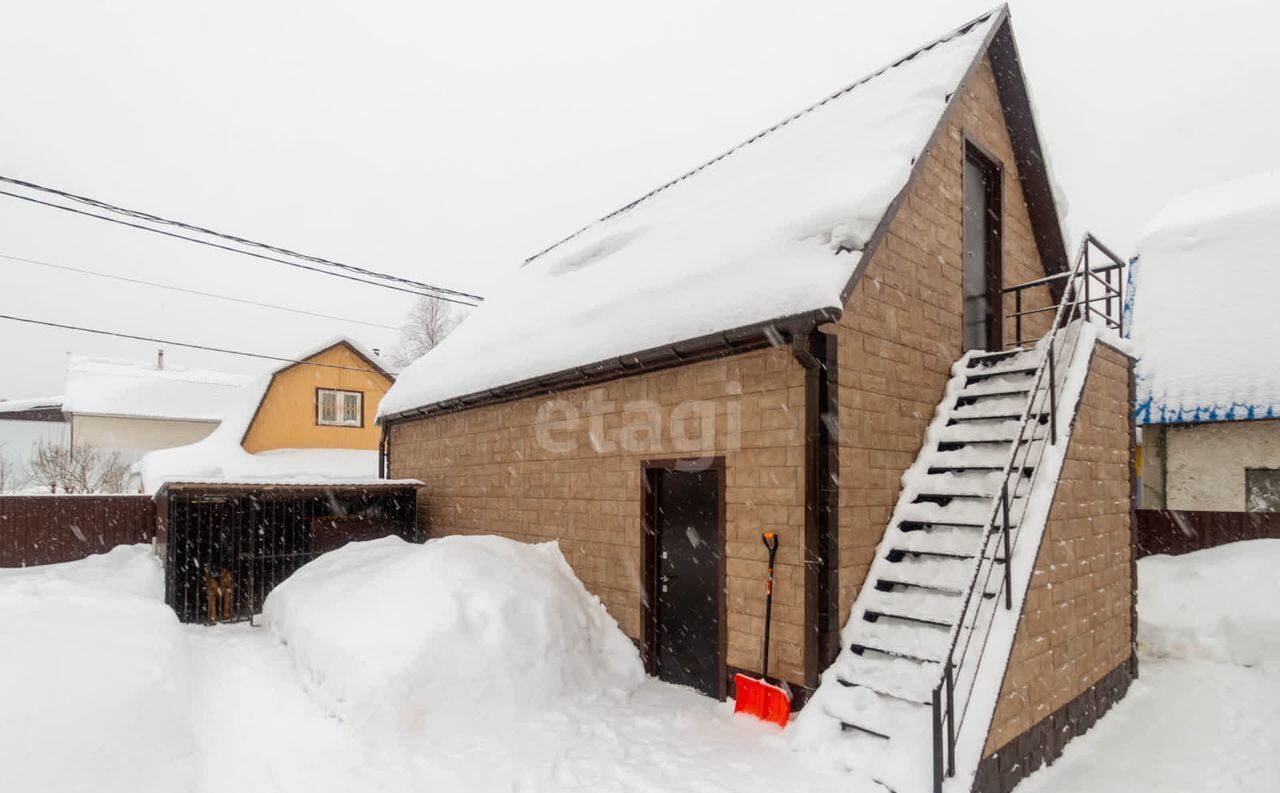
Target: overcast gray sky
[{"x": 445, "y": 142}]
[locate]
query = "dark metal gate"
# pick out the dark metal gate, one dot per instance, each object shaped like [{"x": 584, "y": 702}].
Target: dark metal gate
[{"x": 226, "y": 546}]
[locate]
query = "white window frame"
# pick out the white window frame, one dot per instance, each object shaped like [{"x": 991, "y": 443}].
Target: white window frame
[{"x": 339, "y": 397}]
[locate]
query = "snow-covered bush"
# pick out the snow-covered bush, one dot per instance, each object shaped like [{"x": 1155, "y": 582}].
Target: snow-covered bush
[{"x": 395, "y": 637}]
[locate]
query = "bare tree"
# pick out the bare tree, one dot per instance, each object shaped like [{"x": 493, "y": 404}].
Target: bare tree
[
  {"x": 8, "y": 476},
  {"x": 76, "y": 469},
  {"x": 429, "y": 322}
]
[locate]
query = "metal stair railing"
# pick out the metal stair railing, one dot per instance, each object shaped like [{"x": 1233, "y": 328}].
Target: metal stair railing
[{"x": 1060, "y": 341}]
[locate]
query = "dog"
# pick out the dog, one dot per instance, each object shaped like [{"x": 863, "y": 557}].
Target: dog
[{"x": 220, "y": 589}]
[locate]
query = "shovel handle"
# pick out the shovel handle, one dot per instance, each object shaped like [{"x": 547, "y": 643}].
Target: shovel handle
[{"x": 770, "y": 540}]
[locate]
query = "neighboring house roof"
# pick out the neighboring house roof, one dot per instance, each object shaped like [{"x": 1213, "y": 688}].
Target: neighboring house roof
[
  {"x": 221, "y": 458},
  {"x": 740, "y": 252},
  {"x": 367, "y": 355},
  {"x": 1205, "y": 325},
  {"x": 32, "y": 409},
  {"x": 110, "y": 387}
]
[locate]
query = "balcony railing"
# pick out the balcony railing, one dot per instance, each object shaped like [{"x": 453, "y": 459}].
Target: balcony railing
[{"x": 1098, "y": 293}]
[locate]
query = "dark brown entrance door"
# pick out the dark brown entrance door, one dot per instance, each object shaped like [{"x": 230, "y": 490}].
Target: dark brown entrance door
[
  {"x": 983, "y": 275},
  {"x": 688, "y": 578}
]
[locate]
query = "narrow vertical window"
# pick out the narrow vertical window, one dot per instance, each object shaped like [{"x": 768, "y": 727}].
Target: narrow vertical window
[
  {"x": 983, "y": 276},
  {"x": 350, "y": 408}
]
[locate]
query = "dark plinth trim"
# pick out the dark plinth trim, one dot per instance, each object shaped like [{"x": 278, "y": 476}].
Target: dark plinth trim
[{"x": 1043, "y": 743}]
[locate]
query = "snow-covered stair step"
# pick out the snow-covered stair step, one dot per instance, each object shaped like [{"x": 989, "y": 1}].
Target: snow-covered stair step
[
  {"x": 866, "y": 711},
  {"x": 986, "y": 456},
  {"x": 917, "y": 640},
  {"x": 900, "y": 678},
  {"x": 940, "y": 608},
  {"x": 976, "y": 374},
  {"x": 951, "y": 575},
  {"x": 966, "y": 483},
  {"x": 960, "y": 512},
  {"x": 991, "y": 407},
  {"x": 1002, "y": 359},
  {"x": 1020, "y": 382},
  {"x": 959, "y": 541},
  {"x": 983, "y": 430},
  {"x": 891, "y": 582}
]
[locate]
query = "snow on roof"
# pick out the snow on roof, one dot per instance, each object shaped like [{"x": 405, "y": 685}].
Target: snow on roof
[
  {"x": 30, "y": 403},
  {"x": 1204, "y": 323},
  {"x": 110, "y": 387},
  {"x": 219, "y": 457},
  {"x": 373, "y": 356},
  {"x": 756, "y": 234}
]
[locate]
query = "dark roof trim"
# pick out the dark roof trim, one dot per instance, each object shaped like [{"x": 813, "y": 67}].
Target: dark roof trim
[
  {"x": 959, "y": 31},
  {"x": 1033, "y": 175},
  {"x": 1033, "y": 171},
  {"x": 340, "y": 343},
  {"x": 376, "y": 369},
  {"x": 770, "y": 333},
  {"x": 49, "y": 413},
  {"x": 309, "y": 488}
]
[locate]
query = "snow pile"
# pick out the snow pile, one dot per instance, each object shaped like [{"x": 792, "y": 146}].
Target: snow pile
[
  {"x": 220, "y": 457},
  {"x": 1219, "y": 604},
  {"x": 92, "y": 678},
  {"x": 755, "y": 235},
  {"x": 397, "y": 638},
  {"x": 1208, "y": 269},
  {"x": 110, "y": 387}
]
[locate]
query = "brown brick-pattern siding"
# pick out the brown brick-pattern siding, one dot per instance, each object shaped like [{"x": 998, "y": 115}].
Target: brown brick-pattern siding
[
  {"x": 486, "y": 472},
  {"x": 1076, "y": 623},
  {"x": 902, "y": 327}
]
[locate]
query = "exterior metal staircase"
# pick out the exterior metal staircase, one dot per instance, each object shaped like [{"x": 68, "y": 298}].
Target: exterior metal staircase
[{"x": 899, "y": 689}]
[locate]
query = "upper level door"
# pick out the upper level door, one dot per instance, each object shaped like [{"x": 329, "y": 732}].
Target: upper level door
[{"x": 983, "y": 274}]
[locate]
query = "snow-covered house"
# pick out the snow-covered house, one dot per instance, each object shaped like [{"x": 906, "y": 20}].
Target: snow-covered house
[
  {"x": 310, "y": 420},
  {"x": 827, "y": 332},
  {"x": 1206, "y": 334},
  {"x": 133, "y": 407}
]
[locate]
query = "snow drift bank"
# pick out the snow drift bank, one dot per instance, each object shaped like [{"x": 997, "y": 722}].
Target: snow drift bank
[
  {"x": 93, "y": 694},
  {"x": 396, "y": 637},
  {"x": 1219, "y": 604}
]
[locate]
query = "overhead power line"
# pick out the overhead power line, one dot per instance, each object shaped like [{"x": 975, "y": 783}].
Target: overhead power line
[
  {"x": 233, "y": 250},
  {"x": 184, "y": 290},
  {"x": 171, "y": 343},
  {"x": 416, "y": 287}
]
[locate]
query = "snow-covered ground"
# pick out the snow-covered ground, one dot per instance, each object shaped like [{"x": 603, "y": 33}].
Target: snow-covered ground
[
  {"x": 104, "y": 691},
  {"x": 287, "y": 707},
  {"x": 1204, "y": 714}
]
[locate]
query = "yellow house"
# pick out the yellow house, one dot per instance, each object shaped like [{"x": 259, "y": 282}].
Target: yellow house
[{"x": 328, "y": 400}]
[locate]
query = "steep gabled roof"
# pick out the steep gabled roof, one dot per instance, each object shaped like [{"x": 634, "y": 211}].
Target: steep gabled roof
[{"x": 742, "y": 251}]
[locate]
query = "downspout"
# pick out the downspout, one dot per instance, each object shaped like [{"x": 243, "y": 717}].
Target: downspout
[
  {"x": 384, "y": 457},
  {"x": 816, "y": 352}
]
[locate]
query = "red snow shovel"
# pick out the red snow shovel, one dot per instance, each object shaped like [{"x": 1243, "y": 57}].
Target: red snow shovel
[{"x": 760, "y": 698}]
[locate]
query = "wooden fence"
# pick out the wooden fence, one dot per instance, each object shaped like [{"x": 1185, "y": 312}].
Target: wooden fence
[
  {"x": 1176, "y": 532},
  {"x": 48, "y": 529}
]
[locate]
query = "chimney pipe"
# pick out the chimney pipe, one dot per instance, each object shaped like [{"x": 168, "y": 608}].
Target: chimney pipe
[{"x": 159, "y": 359}]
